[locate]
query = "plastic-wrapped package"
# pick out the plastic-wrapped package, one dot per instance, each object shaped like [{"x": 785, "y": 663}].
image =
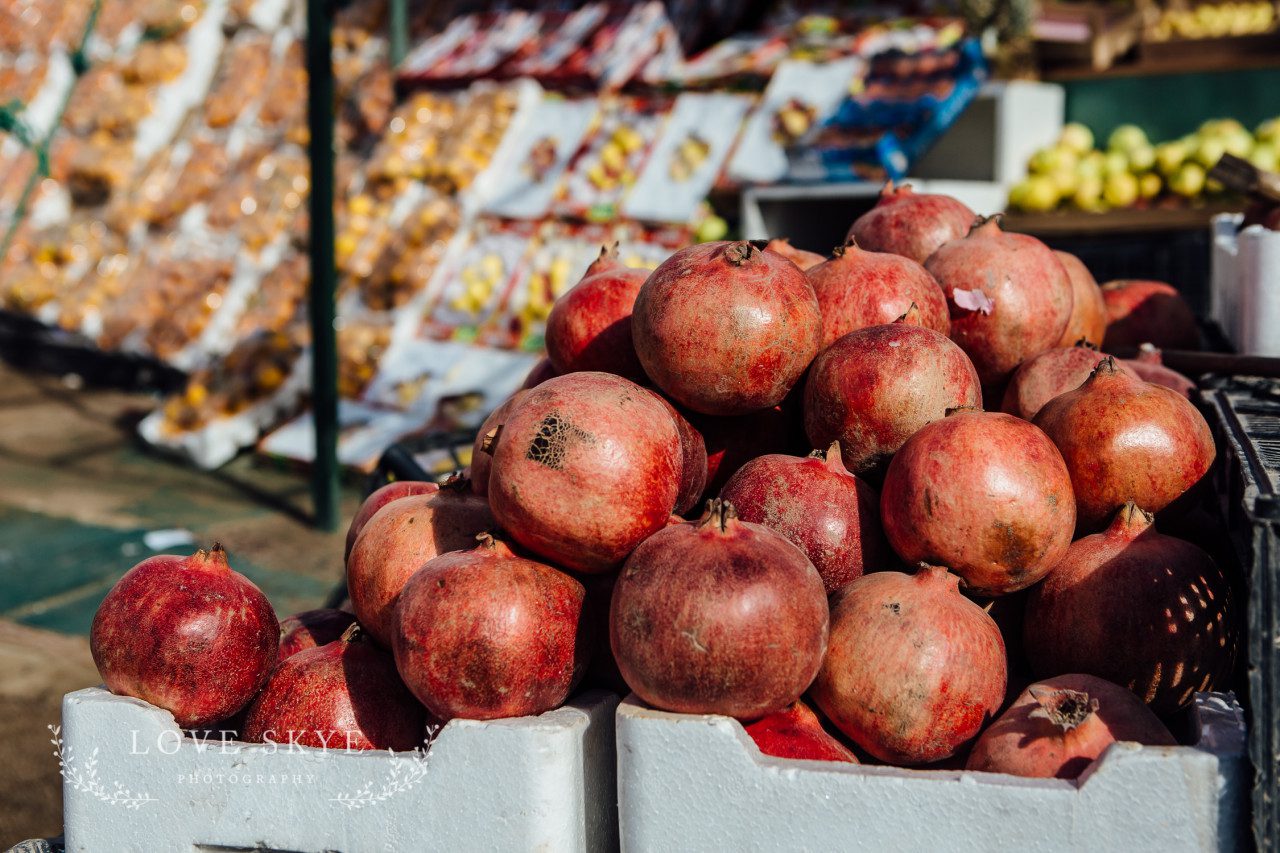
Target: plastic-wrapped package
[
  {"x": 607, "y": 165},
  {"x": 478, "y": 129},
  {"x": 276, "y": 303},
  {"x": 241, "y": 81},
  {"x": 412, "y": 254},
  {"x": 166, "y": 306},
  {"x": 474, "y": 283}
]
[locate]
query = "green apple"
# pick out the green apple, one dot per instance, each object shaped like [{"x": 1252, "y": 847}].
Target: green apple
[
  {"x": 1210, "y": 151},
  {"x": 1066, "y": 180},
  {"x": 1120, "y": 189},
  {"x": 1170, "y": 155},
  {"x": 1088, "y": 196},
  {"x": 1265, "y": 157},
  {"x": 1188, "y": 181},
  {"x": 1269, "y": 130},
  {"x": 1126, "y": 137},
  {"x": 1051, "y": 159},
  {"x": 1239, "y": 144},
  {"x": 1116, "y": 163},
  {"x": 1077, "y": 137},
  {"x": 1040, "y": 195},
  {"x": 1149, "y": 185},
  {"x": 1141, "y": 159},
  {"x": 711, "y": 229}
]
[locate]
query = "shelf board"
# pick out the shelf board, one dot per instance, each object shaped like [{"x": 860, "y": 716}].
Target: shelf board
[
  {"x": 1116, "y": 221},
  {"x": 1190, "y": 64}
]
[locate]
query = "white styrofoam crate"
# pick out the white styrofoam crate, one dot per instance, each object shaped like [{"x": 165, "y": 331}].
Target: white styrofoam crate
[
  {"x": 692, "y": 782},
  {"x": 132, "y": 782},
  {"x": 1244, "y": 298}
]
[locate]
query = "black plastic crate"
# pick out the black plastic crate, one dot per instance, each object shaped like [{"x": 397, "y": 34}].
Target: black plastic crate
[{"x": 1245, "y": 416}]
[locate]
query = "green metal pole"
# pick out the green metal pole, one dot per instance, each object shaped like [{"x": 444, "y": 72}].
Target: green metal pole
[
  {"x": 398, "y": 37},
  {"x": 324, "y": 344}
]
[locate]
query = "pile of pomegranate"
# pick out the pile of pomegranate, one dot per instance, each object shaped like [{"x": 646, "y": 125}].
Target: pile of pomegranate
[{"x": 772, "y": 486}]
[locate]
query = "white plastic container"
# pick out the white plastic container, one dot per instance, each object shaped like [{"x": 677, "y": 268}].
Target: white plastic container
[
  {"x": 688, "y": 782},
  {"x": 132, "y": 782},
  {"x": 1245, "y": 299}
]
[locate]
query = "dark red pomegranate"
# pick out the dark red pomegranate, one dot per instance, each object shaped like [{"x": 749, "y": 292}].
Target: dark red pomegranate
[
  {"x": 1009, "y": 295},
  {"x": 1149, "y": 367},
  {"x": 795, "y": 732},
  {"x": 377, "y": 500},
  {"x": 983, "y": 493},
  {"x": 734, "y": 441},
  {"x": 344, "y": 695},
  {"x": 402, "y": 536},
  {"x": 186, "y": 634},
  {"x": 484, "y": 634},
  {"x": 857, "y": 288},
  {"x": 1058, "y": 727},
  {"x": 541, "y": 372},
  {"x": 589, "y": 327},
  {"x": 693, "y": 459},
  {"x": 873, "y": 389},
  {"x": 1153, "y": 312},
  {"x": 726, "y": 328},
  {"x": 312, "y": 628},
  {"x": 718, "y": 616},
  {"x": 1051, "y": 373},
  {"x": 800, "y": 257},
  {"x": 586, "y": 467},
  {"x": 831, "y": 515},
  {"x": 911, "y": 224},
  {"x": 487, "y": 435},
  {"x": 1126, "y": 440},
  {"x": 1088, "y": 310},
  {"x": 1139, "y": 608},
  {"x": 914, "y": 669}
]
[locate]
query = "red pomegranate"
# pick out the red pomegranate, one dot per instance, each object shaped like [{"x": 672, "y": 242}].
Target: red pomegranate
[
  {"x": 377, "y": 500},
  {"x": 913, "y": 669},
  {"x": 857, "y": 288},
  {"x": 828, "y": 513},
  {"x": 874, "y": 388},
  {"x": 1124, "y": 439},
  {"x": 726, "y": 328},
  {"x": 795, "y": 732},
  {"x": 1088, "y": 310},
  {"x": 1148, "y": 312},
  {"x": 1051, "y": 373},
  {"x": 1009, "y": 295},
  {"x": 1139, "y": 608},
  {"x": 402, "y": 536},
  {"x": 586, "y": 467},
  {"x": 312, "y": 628},
  {"x": 734, "y": 441},
  {"x": 1058, "y": 727},
  {"x": 693, "y": 459},
  {"x": 541, "y": 372},
  {"x": 800, "y": 257},
  {"x": 486, "y": 436},
  {"x": 589, "y": 327},
  {"x": 984, "y": 493},
  {"x": 1149, "y": 367},
  {"x": 186, "y": 634},
  {"x": 344, "y": 695},
  {"x": 911, "y": 224},
  {"x": 484, "y": 634},
  {"x": 718, "y": 616}
]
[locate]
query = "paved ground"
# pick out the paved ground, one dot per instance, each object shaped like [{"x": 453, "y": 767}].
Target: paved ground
[{"x": 77, "y": 497}]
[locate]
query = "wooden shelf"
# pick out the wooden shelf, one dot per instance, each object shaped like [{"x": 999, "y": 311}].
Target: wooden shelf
[
  {"x": 1116, "y": 221},
  {"x": 1190, "y": 64}
]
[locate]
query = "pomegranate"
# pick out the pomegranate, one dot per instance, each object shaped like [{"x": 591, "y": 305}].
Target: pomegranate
[
  {"x": 718, "y": 616},
  {"x": 914, "y": 669},
  {"x": 874, "y": 388},
  {"x": 726, "y": 328},
  {"x": 732, "y": 442},
  {"x": 1139, "y": 608},
  {"x": 984, "y": 493},
  {"x": 586, "y": 466},
  {"x": 402, "y": 536},
  {"x": 693, "y": 459},
  {"x": 342, "y": 695},
  {"x": 1124, "y": 439},
  {"x": 1053, "y": 372},
  {"x": 911, "y": 224},
  {"x": 589, "y": 327},
  {"x": 488, "y": 434},
  {"x": 377, "y": 500},
  {"x": 186, "y": 634},
  {"x": 795, "y": 732},
  {"x": 541, "y": 372},
  {"x": 857, "y": 288},
  {"x": 1149, "y": 367},
  {"x": 1009, "y": 295},
  {"x": 312, "y": 628},
  {"x": 1058, "y": 727},
  {"x": 1148, "y": 311},
  {"x": 1088, "y": 310},
  {"x": 828, "y": 513},
  {"x": 800, "y": 257},
  {"x": 484, "y": 634}
]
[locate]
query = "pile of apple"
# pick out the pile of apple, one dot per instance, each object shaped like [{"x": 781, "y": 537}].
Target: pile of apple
[{"x": 759, "y": 480}]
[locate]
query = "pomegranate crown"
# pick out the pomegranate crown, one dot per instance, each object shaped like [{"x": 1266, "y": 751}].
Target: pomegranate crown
[
  {"x": 741, "y": 251},
  {"x": 991, "y": 222},
  {"x": 1066, "y": 709},
  {"x": 718, "y": 513},
  {"x": 843, "y": 249},
  {"x": 214, "y": 558},
  {"x": 1106, "y": 367},
  {"x": 1085, "y": 343}
]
